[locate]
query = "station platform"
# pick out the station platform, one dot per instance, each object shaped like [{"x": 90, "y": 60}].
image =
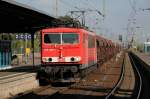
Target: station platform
[
  {"x": 145, "y": 57},
  {"x": 18, "y": 70},
  {"x": 22, "y": 66},
  {"x": 17, "y": 80}
]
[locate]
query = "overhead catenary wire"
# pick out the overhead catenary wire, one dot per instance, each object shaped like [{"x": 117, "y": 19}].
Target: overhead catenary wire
[
  {"x": 87, "y": 6},
  {"x": 83, "y": 3}
]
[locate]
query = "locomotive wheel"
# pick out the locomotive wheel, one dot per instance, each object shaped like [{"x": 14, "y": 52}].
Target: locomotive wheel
[
  {"x": 41, "y": 77},
  {"x": 82, "y": 73}
]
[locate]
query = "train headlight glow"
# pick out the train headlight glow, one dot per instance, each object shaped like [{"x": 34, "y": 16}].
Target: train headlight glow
[
  {"x": 44, "y": 59},
  {"x": 78, "y": 58},
  {"x": 72, "y": 59},
  {"x": 50, "y": 59}
]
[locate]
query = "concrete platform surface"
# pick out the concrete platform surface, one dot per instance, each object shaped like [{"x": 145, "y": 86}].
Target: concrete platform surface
[
  {"x": 18, "y": 70},
  {"x": 144, "y": 57},
  {"x": 17, "y": 80}
]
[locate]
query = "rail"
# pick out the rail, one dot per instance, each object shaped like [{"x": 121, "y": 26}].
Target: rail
[
  {"x": 108, "y": 96},
  {"x": 137, "y": 96}
]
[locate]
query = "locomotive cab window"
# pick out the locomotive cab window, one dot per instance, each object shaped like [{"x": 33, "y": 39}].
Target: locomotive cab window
[
  {"x": 52, "y": 38},
  {"x": 61, "y": 38},
  {"x": 70, "y": 38}
]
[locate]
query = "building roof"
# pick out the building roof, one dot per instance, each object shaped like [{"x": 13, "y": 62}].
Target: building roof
[{"x": 17, "y": 17}]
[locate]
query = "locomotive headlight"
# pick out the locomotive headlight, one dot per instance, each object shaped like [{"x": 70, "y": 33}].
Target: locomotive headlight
[
  {"x": 53, "y": 59},
  {"x": 50, "y": 59},
  {"x": 78, "y": 58},
  {"x": 72, "y": 59},
  {"x": 44, "y": 59}
]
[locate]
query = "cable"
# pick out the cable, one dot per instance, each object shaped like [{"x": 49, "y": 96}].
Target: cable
[
  {"x": 91, "y": 4},
  {"x": 66, "y": 3}
]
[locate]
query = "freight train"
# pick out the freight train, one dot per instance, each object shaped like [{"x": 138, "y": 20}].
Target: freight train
[{"x": 68, "y": 54}]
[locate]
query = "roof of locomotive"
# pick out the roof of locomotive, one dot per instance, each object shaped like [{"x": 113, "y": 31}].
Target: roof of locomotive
[{"x": 66, "y": 29}]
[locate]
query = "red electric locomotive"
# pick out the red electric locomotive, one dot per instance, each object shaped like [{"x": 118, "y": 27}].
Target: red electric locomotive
[{"x": 66, "y": 53}]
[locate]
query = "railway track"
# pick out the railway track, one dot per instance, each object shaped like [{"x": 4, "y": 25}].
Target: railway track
[
  {"x": 84, "y": 89},
  {"x": 94, "y": 86},
  {"x": 114, "y": 89},
  {"x": 88, "y": 90},
  {"x": 138, "y": 78}
]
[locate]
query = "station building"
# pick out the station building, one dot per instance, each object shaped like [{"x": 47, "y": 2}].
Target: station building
[{"x": 19, "y": 18}]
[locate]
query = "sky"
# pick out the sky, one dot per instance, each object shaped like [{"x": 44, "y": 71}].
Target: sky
[{"x": 122, "y": 17}]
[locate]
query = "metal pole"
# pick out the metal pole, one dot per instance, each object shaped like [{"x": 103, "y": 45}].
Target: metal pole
[
  {"x": 83, "y": 18},
  {"x": 56, "y": 7},
  {"x": 25, "y": 48},
  {"x": 104, "y": 8},
  {"x": 32, "y": 43}
]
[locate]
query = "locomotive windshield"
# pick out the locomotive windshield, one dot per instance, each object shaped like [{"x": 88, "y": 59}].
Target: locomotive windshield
[
  {"x": 63, "y": 38},
  {"x": 70, "y": 38},
  {"x": 52, "y": 38}
]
